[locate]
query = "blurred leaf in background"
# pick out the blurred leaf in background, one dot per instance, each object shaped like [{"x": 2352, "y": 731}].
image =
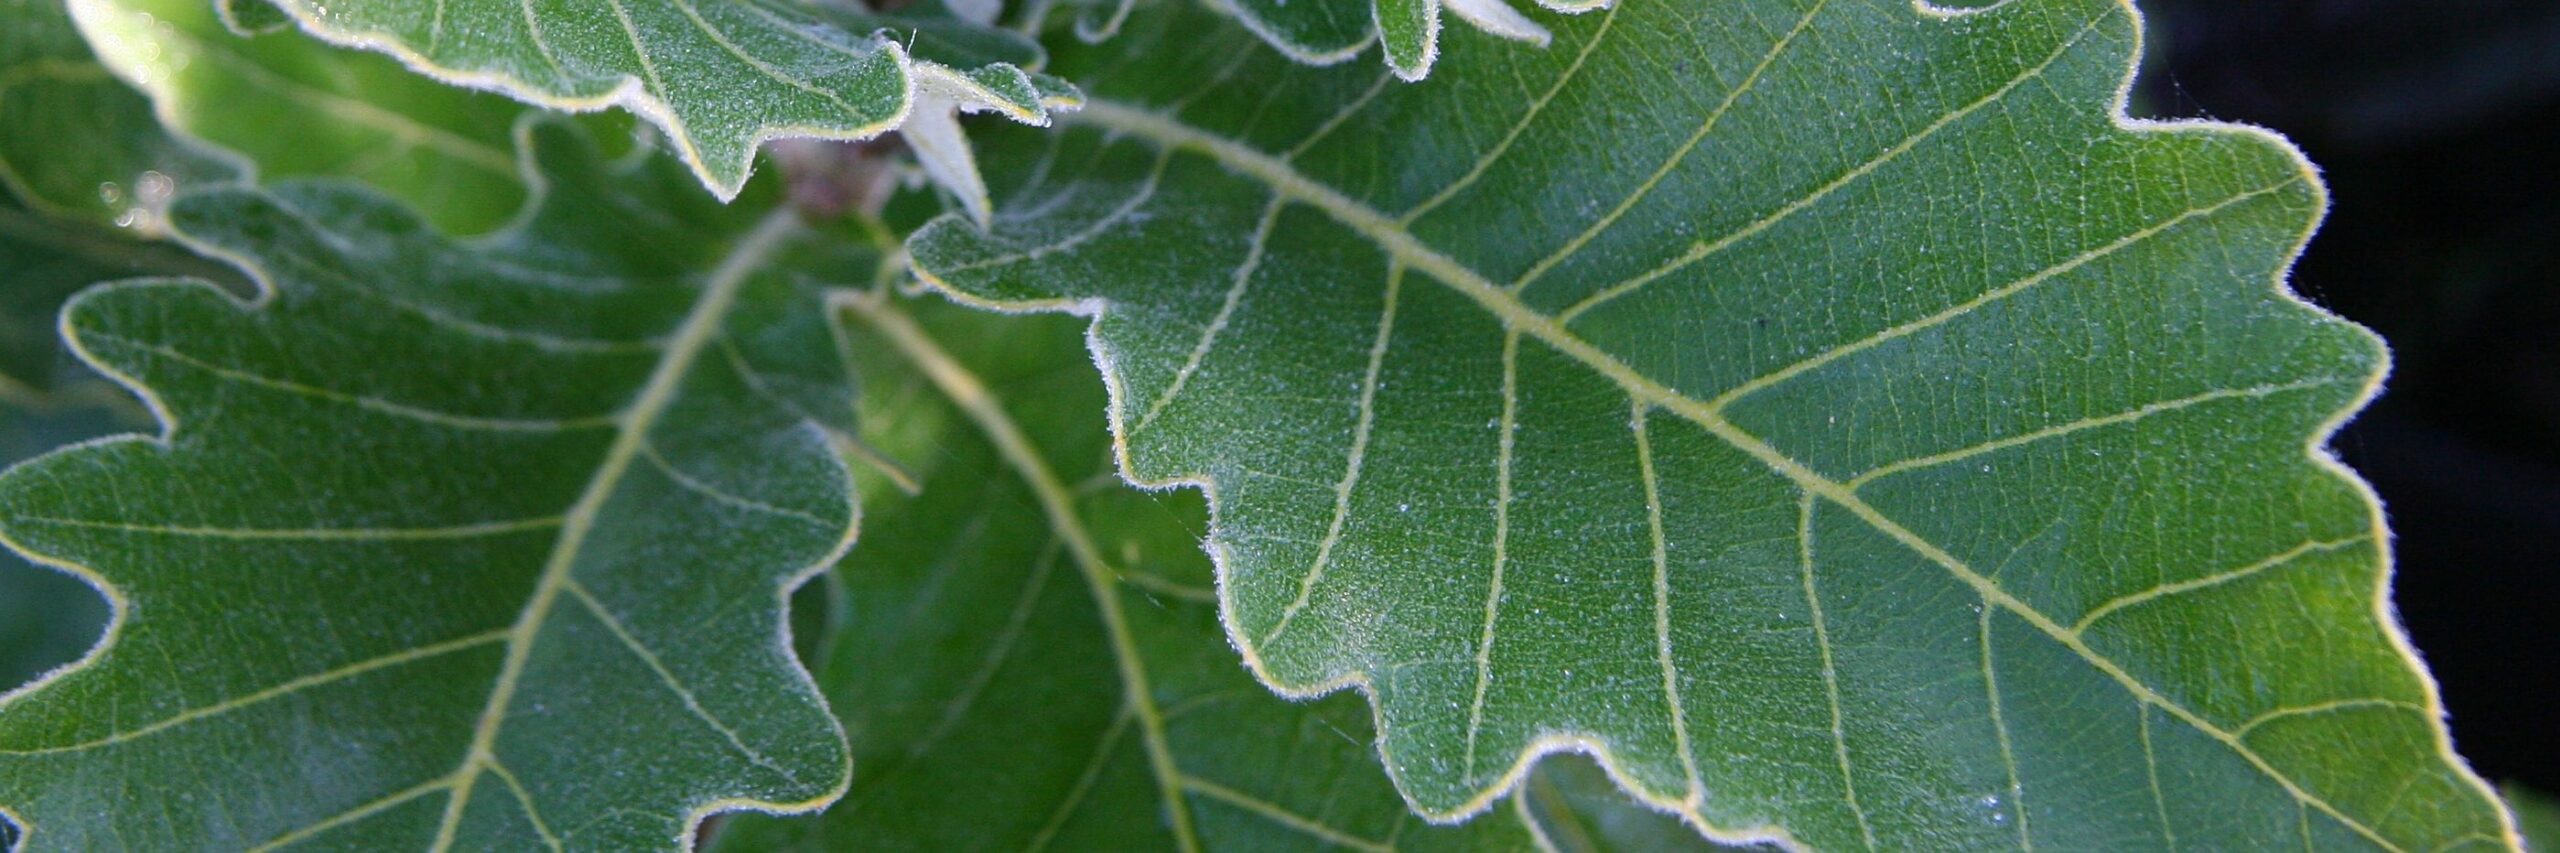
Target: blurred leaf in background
[
  {"x": 2537, "y": 816},
  {"x": 83, "y": 165}
]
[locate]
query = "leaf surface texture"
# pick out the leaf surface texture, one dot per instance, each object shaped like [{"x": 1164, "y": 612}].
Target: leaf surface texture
[
  {"x": 445, "y": 544},
  {"x": 1834, "y": 414},
  {"x": 1026, "y": 611},
  {"x": 719, "y": 76}
]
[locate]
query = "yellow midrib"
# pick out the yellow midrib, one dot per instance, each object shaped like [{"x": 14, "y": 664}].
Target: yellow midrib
[
  {"x": 701, "y": 324},
  {"x": 965, "y": 391}
]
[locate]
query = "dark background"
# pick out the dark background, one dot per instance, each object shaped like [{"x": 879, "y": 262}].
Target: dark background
[{"x": 2437, "y": 125}]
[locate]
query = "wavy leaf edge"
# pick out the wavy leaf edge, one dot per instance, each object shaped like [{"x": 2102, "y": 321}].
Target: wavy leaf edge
[
  {"x": 1173, "y": 135},
  {"x": 921, "y": 83},
  {"x": 1411, "y": 62},
  {"x": 538, "y": 192}
]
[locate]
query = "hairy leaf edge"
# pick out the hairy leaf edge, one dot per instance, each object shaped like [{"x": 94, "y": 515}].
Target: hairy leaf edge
[
  {"x": 632, "y": 94},
  {"x": 1278, "y": 42},
  {"x": 1495, "y": 17},
  {"x": 2315, "y": 447},
  {"x": 538, "y": 191}
]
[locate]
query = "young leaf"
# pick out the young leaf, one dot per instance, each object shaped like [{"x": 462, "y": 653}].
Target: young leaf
[
  {"x": 444, "y": 544},
  {"x": 1323, "y": 32},
  {"x": 1027, "y": 613},
  {"x": 719, "y": 76},
  {"x": 1836, "y": 415}
]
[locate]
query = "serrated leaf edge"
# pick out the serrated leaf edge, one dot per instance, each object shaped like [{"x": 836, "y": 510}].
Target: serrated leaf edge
[
  {"x": 1494, "y": 17},
  {"x": 962, "y": 386},
  {"x": 632, "y": 94},
  {"x": 118, "y": 606},
  {"x": 972, "y": 397},
  {"x": 1262, "y": 30},
  {"x": 1171, "y": 135}
]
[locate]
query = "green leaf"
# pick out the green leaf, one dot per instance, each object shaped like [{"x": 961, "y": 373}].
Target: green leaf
[
  {"x": 1026, "y": 611},
  {"x": 719, "y": 76},
  {"x": 1576, "y": 807},
  {"x": 1316, "y": 33},
  {"x": 74, "y": 142},
  {"x": 76, "y": 147},
  {"x": 47, "y": 618},
  {"x": 449, "y": 152},
  {"x": 91, "y": 168},
  {"x": 475, "y": 544},
  {"x": 1324, "y": 32},
  {"x": 1836, "y": 415},
  {"x": 43, "y": 260},
  {"x": 84, "y": 171}
]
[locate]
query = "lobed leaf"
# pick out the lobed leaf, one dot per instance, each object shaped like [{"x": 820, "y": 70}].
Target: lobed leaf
[
  {"x": 445, "y": 543},
  {"x": 47, "y": 618},
  {"x": 1023, "y": 613},
  {"x": 719, "y": 76},
  {"x": 43, "y": 260},
  {"x": 75, "y": 149},
  {"x": 1865, "y": 436},
  {"x": 1324, "y": 32}
]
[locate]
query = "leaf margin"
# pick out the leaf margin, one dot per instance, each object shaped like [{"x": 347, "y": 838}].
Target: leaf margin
[
  {"x": 539, "y": 188},
  {"x": 918, "y": 80},
  {"x": 1171, "y": 135}
]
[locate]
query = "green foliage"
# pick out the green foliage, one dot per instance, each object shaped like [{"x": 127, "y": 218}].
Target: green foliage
[
  {"x": 1963, "y": 480},
  {"x": 2537, "y": 818},
  {"x": 1022, "y": 576},
  {"x": 76, "y": 143},
  {"x": 45, "y": 259},
  {"x": 84, "y": 170},
  {"x": 448, "y": 152},
  {"x": 47, "y": 618},
  {"x": 1833, "y": 417},
  {"x": 444, "y": 518},
  {"x": 719, "y": 77}
]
